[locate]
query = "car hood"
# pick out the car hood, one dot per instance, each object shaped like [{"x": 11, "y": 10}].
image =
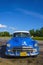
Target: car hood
[{"x": 20, "y": 41}]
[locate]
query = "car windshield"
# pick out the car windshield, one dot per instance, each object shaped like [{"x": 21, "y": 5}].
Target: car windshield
[{"x": 21, "y": 34}]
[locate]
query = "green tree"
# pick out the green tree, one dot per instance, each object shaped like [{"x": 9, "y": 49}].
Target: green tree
[
  {"x": 37, "y": 33},
  {"x": 32, "y": 32},
  {"x": 5, "y": 33},
  {"x": 41, "y": 32}
]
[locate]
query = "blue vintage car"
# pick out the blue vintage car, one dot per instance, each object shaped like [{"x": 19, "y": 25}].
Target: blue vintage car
[{"x": 22, "y": 45}]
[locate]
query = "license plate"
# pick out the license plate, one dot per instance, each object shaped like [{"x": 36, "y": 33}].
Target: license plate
[{"x": 23, "y": 54}]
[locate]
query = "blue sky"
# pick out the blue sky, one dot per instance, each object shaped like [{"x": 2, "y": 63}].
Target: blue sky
[{"x": 21, "y": 15}]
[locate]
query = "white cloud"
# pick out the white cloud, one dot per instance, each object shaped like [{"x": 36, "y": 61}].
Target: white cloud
[
  {"x": 2, "y": 26},
  {"x": 12, "y": 28},
  {"x": 30, "y": 13}
]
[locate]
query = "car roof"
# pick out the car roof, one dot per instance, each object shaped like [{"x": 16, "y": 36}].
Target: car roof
[{"x": 21, "y": 31}]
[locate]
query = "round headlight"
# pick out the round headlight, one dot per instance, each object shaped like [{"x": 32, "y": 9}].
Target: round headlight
[
  {"x": 36, "y": 45},
  {"x": 8, "y": 45},
  {"x": 9, "y": 50}
]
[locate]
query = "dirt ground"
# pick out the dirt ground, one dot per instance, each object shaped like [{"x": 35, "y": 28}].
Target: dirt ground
[
  {"x": 22, "y": 61},
  {"x": 19, "y": 60}
]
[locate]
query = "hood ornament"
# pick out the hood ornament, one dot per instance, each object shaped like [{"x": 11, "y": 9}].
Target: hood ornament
[{"x": 24, "y": 43}]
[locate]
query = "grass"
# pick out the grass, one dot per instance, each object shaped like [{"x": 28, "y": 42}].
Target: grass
[
  {"x": 5, "y": 38},
  {"x": 38, "y": 38}
]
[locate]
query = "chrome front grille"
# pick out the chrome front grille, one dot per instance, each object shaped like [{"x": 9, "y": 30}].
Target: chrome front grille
[{"x": 22, "y": 49}]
